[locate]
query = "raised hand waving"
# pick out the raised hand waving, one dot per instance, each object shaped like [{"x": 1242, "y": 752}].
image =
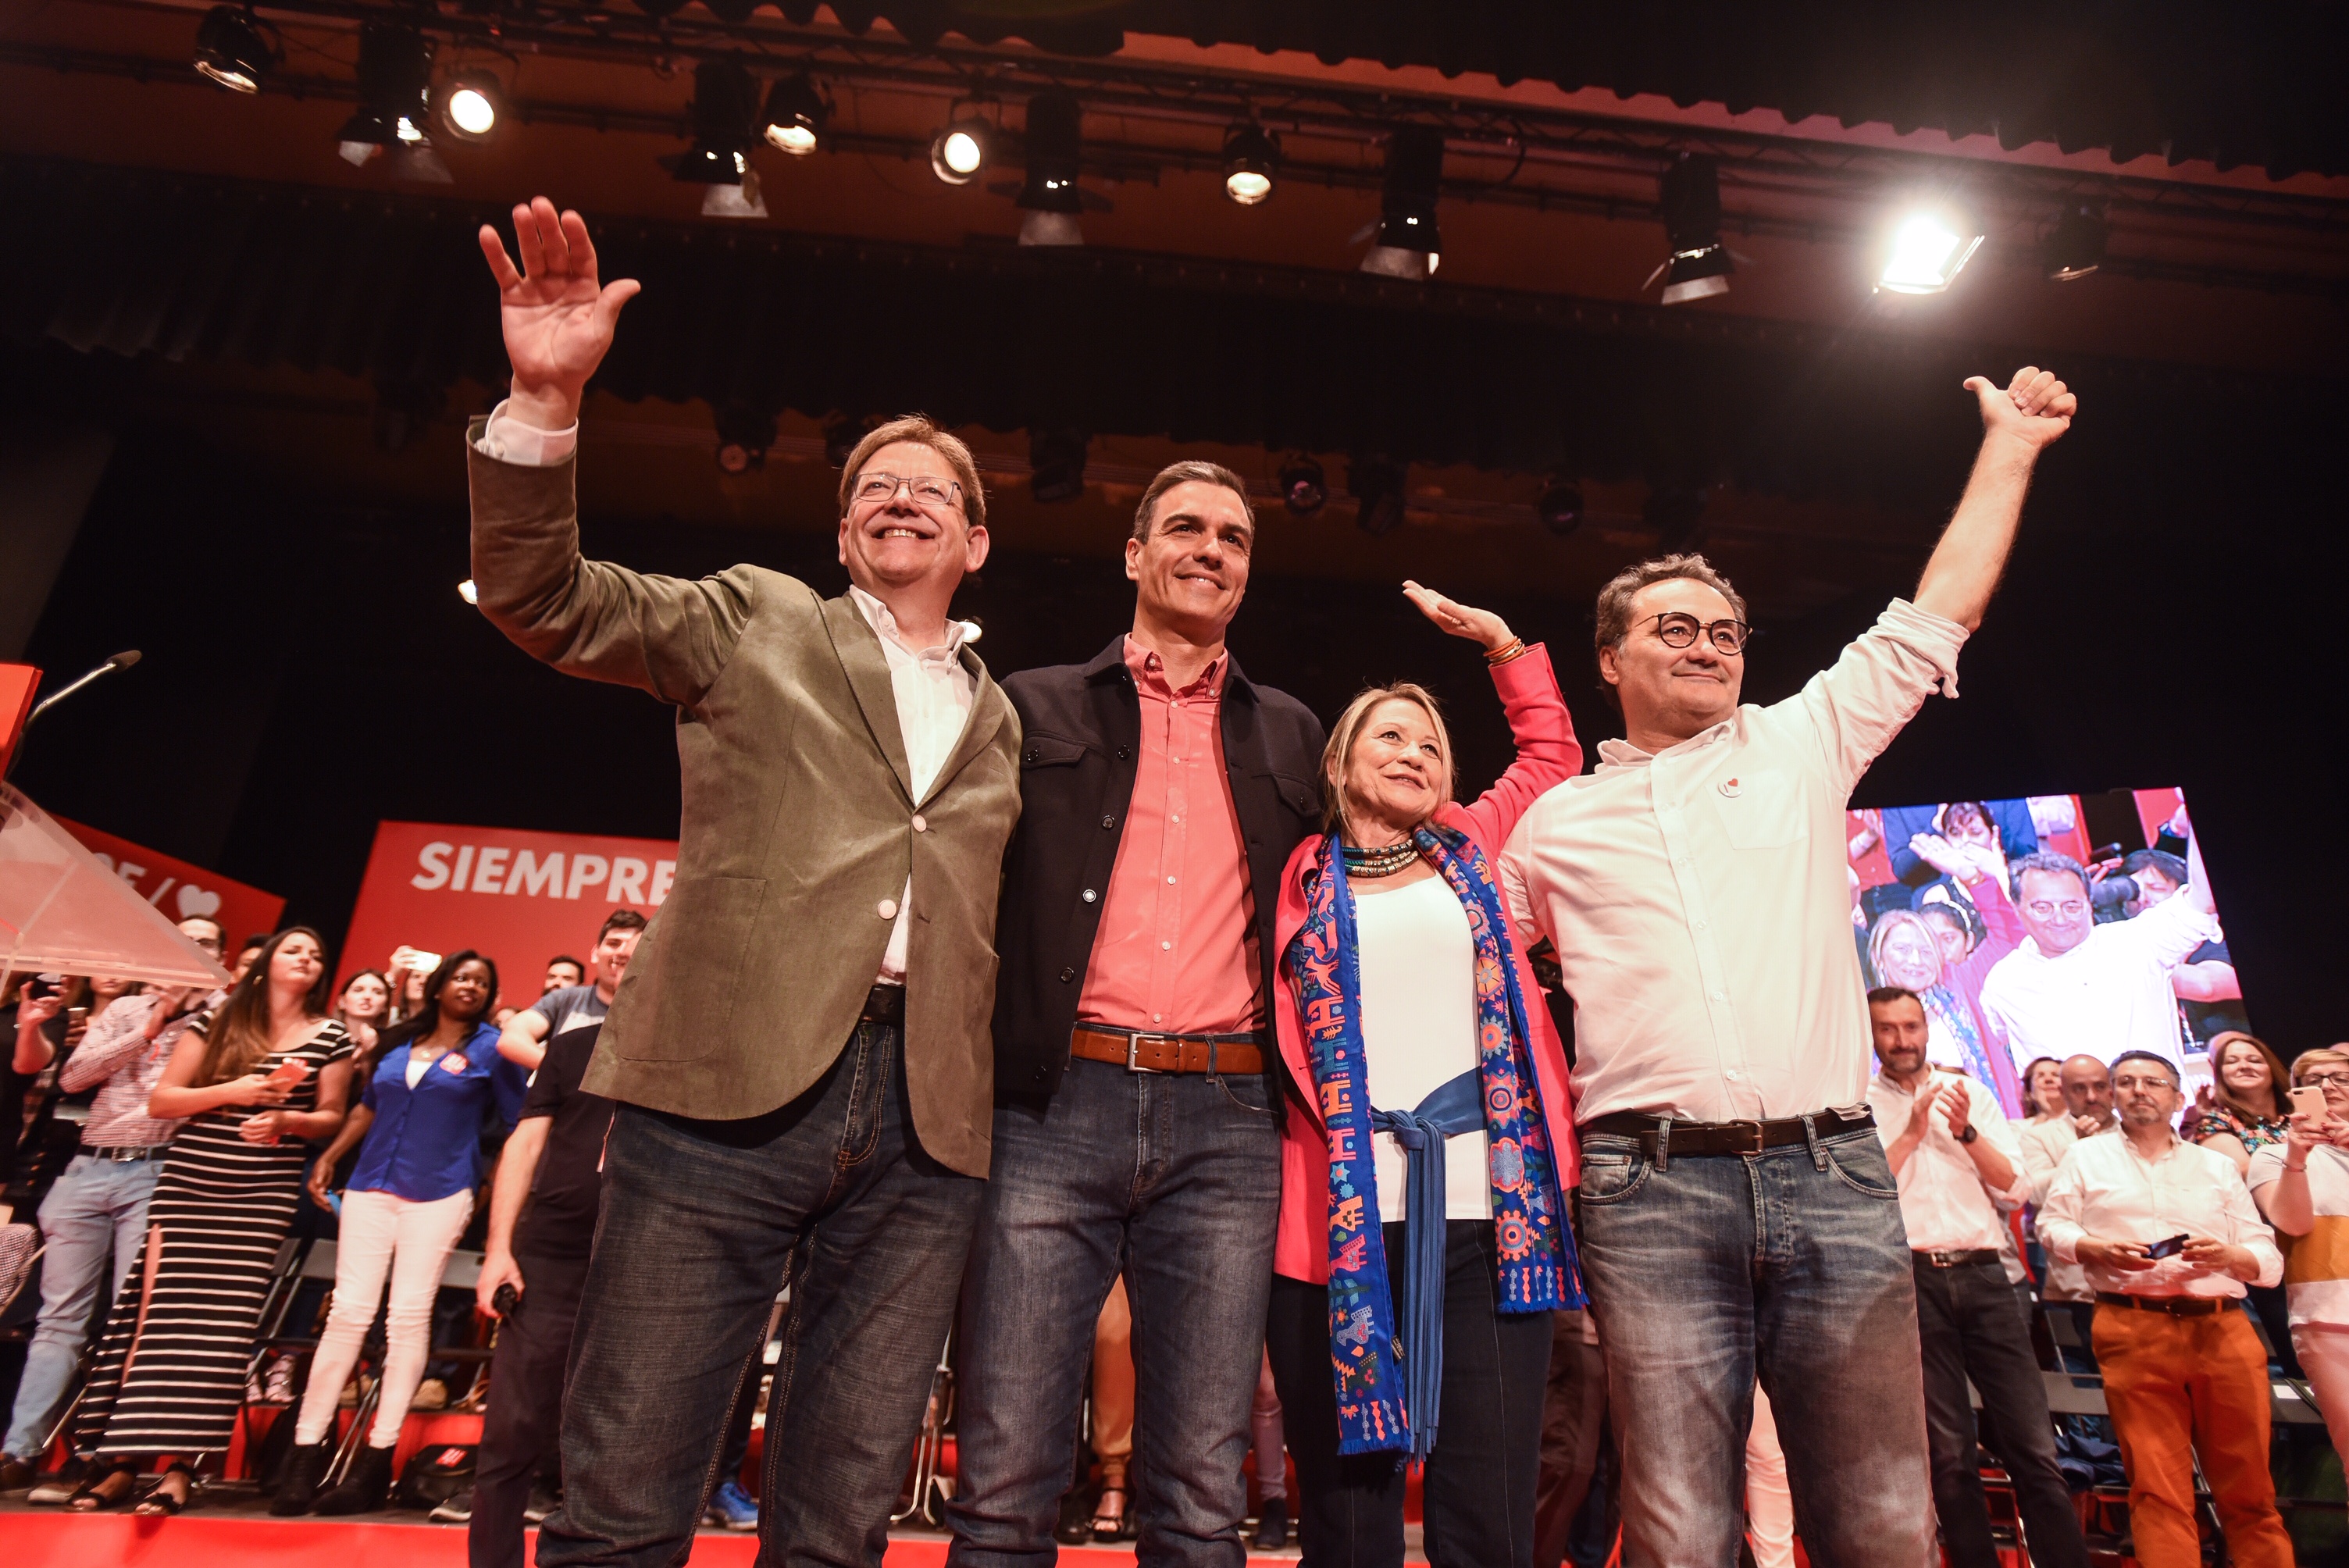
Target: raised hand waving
[{"x": 558, "y": 317}]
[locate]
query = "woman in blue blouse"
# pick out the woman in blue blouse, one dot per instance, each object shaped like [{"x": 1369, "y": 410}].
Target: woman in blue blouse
[{"x": 419, "y": 1128}]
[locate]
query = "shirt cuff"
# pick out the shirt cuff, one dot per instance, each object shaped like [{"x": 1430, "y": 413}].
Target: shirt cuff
[
  {"x": 1928, "y": 636},
  {"x": 507, "y": 439}
]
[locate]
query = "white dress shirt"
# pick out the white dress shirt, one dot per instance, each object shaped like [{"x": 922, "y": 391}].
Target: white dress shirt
[
  {"x": 2104, "y": 1188},
  {"x": 2045, "y": 1144},
  {"x": 934, "y": 692},
  {"x": 2111, "y": 994},
  {"x": 1699, "y": 899},
  {"x": 1945, "y": 1203}
]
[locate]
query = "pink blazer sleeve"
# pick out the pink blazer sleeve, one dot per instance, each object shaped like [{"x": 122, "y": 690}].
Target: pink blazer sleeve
[{"x": 1548, "y": 753}]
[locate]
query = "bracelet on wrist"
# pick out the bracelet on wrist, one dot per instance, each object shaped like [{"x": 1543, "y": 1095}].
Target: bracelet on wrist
[{"x": 1512, "y": 649}]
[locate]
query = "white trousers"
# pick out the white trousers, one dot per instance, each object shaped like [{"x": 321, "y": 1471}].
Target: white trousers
[
  {"x": 382, "y": 1235},
  {"x": 2323, "y": 1352},
  {"x": 1769, "y": 1502}
]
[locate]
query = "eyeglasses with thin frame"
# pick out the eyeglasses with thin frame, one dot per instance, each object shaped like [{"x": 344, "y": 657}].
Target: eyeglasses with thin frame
[
  {"x": 1678, "y": 629},
  {"x": 2048, "y": 909},
  {"x": 2339, "y": 1081},
  {"x": 930, "y": 493}
]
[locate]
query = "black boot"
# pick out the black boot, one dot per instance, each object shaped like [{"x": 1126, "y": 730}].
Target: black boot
[
  {"x": 298, "y": 1489},
  {"x": 366, "y": 1488},
  {"x": 1272, "y": 1523}
]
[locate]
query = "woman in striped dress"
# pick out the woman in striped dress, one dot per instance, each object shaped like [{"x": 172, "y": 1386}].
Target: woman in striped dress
[{"x": 264, "y": 1074}]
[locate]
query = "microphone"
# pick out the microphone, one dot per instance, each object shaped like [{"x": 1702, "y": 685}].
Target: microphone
[{"x": 121, "y": 661}]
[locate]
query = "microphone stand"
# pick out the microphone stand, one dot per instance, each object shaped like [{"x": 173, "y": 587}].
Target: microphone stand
[{"x": 121, "y": 661}]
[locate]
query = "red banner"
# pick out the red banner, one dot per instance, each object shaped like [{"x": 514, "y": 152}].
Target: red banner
[
  {"x": 519, "y": 897},
  {"x": 181, "y": 891},
  {"x": 17, "y": 683}
]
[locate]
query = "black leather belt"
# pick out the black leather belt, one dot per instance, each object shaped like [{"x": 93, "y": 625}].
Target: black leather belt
[
  {"x": 2176, "y": 1305},
  {"x": 1725, "y": 1137},
  {"x": 883, "y": 1004},
  {"x": 1955, "y": 1260},
  {"x": 126, "y": 1153}
]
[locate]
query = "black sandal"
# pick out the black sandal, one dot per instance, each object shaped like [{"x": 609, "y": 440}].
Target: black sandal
[
  {"x": 160, "y": 1503},
  {"x": 1107, "y": 1529},
  {"x": 87, "y": 1499}
]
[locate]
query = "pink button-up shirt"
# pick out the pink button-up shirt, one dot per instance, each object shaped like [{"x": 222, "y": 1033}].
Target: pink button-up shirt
[{"x": 1177, "y": 952}]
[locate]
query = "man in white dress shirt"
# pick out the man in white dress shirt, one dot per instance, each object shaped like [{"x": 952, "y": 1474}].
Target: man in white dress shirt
[
  {"x": 1961, "y": 1174},
  {"x": 2169, "y": 1238},
  {"x": 1736, "y": 1213},
  {"x": 2087, "y": 1113},
  {"x": 2075, "y": 986}
]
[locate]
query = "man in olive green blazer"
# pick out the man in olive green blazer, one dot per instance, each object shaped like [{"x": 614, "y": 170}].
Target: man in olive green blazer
[{"x": 801, "y": 1047}]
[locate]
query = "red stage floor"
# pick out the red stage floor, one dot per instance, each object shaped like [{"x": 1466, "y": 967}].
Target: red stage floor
[{"x": 233, "y": 1531}]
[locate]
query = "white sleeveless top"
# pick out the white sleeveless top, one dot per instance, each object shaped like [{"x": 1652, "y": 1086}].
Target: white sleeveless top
[{"x": 1419, "y": 1029}]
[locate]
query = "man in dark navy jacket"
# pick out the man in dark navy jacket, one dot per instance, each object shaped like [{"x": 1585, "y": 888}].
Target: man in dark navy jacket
[{"x": 1135, "y": 1125}]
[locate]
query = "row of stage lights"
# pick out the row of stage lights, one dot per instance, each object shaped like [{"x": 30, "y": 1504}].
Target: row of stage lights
[{"x": 1923, "y": 251}]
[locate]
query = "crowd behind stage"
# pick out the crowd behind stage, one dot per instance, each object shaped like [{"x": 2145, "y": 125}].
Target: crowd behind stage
[{"x": 430, "y": 1119}]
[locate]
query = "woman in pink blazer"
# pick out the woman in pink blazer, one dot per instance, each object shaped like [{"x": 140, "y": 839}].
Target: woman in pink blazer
[{"x": 1429, "y": 1142}]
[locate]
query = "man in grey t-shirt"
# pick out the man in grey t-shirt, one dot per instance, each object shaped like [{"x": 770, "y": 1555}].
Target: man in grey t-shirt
[{"x": 524, "y": 1037}]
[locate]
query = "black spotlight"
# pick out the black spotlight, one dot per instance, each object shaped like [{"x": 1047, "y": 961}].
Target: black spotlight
[
  {"x": 660, "y": 9},
  {"x": 744, "y": 435},
  {"x": 1303, "y": 488},
  {"x": 2077, "y": 247},
  {"x": 1676, "y": 512},
  {"x": 1376, "y": 484},
  {"x": 841, "y": 434},
  {"x": 1559, "y": 505},
  {"x": 725, "y": 98},
  {"x": 1048, "y": 194},
  {"x": 1699, "y": 264},
  {"x": 734, "y": 10},
  {"x": 959, "y": 152},
  {"x": 1250, "y": 153},
  {"x": 395, "y": 84},
  {"x": 232, "y": 49},
  {"x": 1408, "y": 245},
  {"x": 1056, "y": 461},
  {"x": 795, "y": 115}
]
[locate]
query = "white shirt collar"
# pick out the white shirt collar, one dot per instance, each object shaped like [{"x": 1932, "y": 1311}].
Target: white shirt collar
[
  {"x": 884, "y": 625},
  {"x": 1615, "y": 753}
]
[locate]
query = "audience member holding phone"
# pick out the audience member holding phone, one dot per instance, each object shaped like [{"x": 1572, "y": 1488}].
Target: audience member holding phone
[
  {"x": 2184, "y": 1377},
  {"x": 418, "y": 1127},
  {"x": 2302, "y": 1187}
]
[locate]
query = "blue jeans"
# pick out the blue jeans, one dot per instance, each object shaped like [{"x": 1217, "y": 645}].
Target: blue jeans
[
  {"x": 92, "y": 1224},
  {"x": 1174, "y": 1178},
  {"x": 702, "y": 1223},
  {"x": 1792, "y": 1263}
]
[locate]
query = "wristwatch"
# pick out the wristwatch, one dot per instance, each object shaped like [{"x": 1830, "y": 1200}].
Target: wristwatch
[{"x": 1968, "y": 1135}]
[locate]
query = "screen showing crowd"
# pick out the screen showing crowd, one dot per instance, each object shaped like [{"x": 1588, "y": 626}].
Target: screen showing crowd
[{"x": 2052, "y": 925}]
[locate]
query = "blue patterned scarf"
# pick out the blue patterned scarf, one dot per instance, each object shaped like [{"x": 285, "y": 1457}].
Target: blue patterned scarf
[{"x": 1538, "y": 1271}]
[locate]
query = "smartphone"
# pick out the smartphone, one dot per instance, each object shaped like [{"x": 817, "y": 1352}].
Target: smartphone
[
  {"x": 2308, "y": 1100},
  {"x": 41, "y": 986},
  {"x": 290, "y": 1073},
  {"x": 2169, "y": 1248},
  {"x": 77, "y": 1016},
  {"x": 507, "y": 1300}
]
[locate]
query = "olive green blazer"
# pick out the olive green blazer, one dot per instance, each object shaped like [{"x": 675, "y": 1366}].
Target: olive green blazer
[{"x": 798, "y": 825}]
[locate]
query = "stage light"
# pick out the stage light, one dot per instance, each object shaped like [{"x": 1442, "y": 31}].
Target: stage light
[
  {"x": 741, "y": 201},
  {"x": 660, "y": 9},
  {"x": 795, "y": 115},
  {"x": 395, "y": 86},
  {"x": 1056, "y": 463},
  {"x": 1700, "y": 264},
  {"x": 1049, "y": 192},
  {"x": 1676, "y": 512},
  {"x": 1927, "y": 250},
  {"x": 470, "y": 103},
  {"x": 232, "y": 50},
  {"x": 725, "y": 98},
  {"x": 960, "y": 151},
  {"x": 1250, "y": 154},
  {"x": 1303, "y": 488},
  {"x": 841, "y": 434},
  {"x": 1376, "y": 484},
  {"x": 744, "y": 435},
  {"x": 1559, "y": 505},
  {"x": 1408, "y": 244},
  {"x": 2076, "y": 248},
  {"x": 467, "y": 593}
]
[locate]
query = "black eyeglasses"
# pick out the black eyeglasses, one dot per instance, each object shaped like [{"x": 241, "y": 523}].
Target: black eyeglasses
[
  {"x": 2326, "y": 1080},
  {"x": 1678, "y": 630}
]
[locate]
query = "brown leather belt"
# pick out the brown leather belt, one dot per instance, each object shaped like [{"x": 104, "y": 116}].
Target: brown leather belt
[
  {"x": 1725, "y": 1137},
  {"x": 2176, "y": 1305},
  {"x": 1932, "y": 1260},
  {"x": 1138, "y": 1051}
]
